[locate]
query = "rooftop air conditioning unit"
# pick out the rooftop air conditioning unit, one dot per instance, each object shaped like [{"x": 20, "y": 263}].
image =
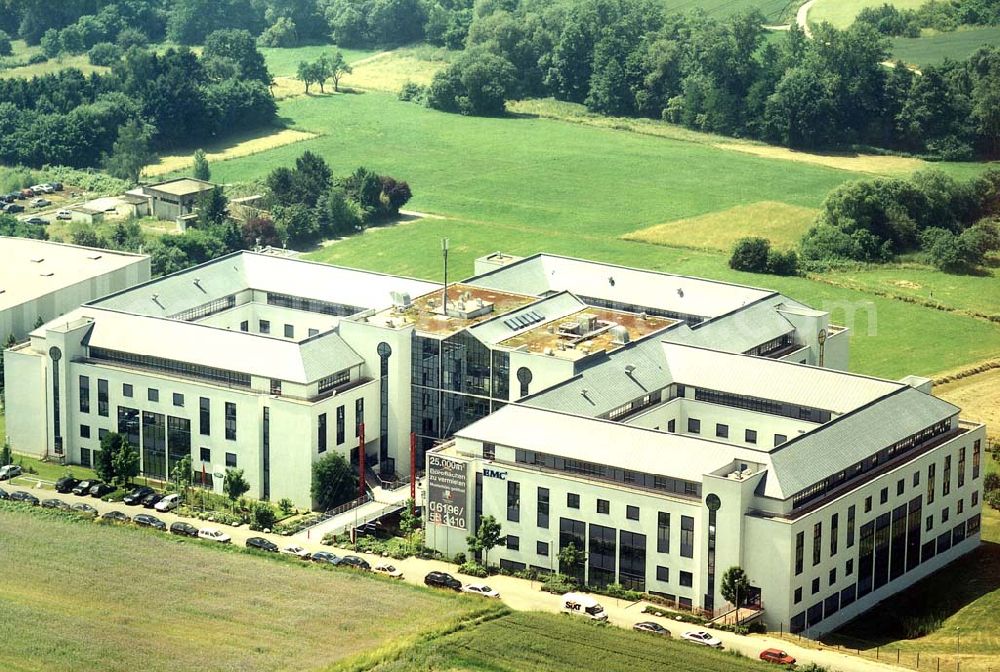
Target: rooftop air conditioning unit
[
  {"x": 588, "y": 322},
  {"x": 619, "y": 335},
  {"x": 569, "y": 328}
]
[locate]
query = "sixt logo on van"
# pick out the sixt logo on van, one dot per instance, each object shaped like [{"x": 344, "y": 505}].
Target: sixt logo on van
[{"x": 495, "y": 473}]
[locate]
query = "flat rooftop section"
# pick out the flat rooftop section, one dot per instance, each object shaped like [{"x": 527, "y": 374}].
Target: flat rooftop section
[
  {"x": 182, "y": 186},
  {"x": 467, "y": 305},
  {"x": 543, "y": 274},
  {"x": 33, "y": 268},
  {"x": 567, "y": 338}
]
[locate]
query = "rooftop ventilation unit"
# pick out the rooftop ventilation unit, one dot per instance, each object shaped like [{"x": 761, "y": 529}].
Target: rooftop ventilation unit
[
  {"x": 629, "y": 368},
  {"x": 620, "y": 336},
  {"x": 401, "y": 299},
  {"x": 569, "y": 328},
  {"x": 588, "y": 322}
]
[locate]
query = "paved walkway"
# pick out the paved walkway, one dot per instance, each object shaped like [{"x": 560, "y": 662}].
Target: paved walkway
[{"x": 520, "y": 594}]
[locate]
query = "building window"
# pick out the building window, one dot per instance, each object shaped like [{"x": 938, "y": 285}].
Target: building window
[
  {"x": 603, "y": 506},
  {"x": 916, "y": 478},
  {"x": 945, "y": 515},
  {"x": 900, "y": 487},
  {"x": 946, "y": 476},
  {"x": 687, "y": 537},
  {"x": 101, "y": 433},
  {"x": 662, "y": 573},
  {"x": 850, "y": 526},
  {"x": 230, "y": 421},
  {"x": 230, "y": 460},
  {"x": 359, "y": 415},
  {"x": 798, "y": 595},
  {"x": 815, "y": 585},
  {"x": 543, "y": 508},
  {"x": 930, "y": 482},
  {"x": 126, "y": 390},
  {"x": 542, "y": 548},
  {"x": 833, "y": 576},
  {"x": 960, "y": 507},
  {"x": 883, "y": 496},
  {"x": 513, "y": 501},
  {"x": 662, "y": 532},
  {"x": 750, "y": 435},
  {"x": 321, "y": 433},
  {"x": 572, "y": 500},
  {"x": 834, "y": 533},
  {"x": 817, "y": 542},
  {"x": 975, "y": 459},
  {"x": 102, "y": 397},
  {"x": 152, "y": 394},
  {"x": 178, "y": 399},
  {"x": 694, "y": 426},
  {"x": 289, "y": 331},
  {"x": 687, "y": 579},
  {"x": 929, "y": 523},
  {"x": 313, "y": 332},
  {"x": 204, "y": 416},
  {"x": 779, "y": 439},
  {"x": 849, "y": 567},
  {"x": 206, "y": 454},
  {"x": 975, "y": 498},
  {"x": 265, "y": 327},
  {"x": 341, "y": 420},
  {"x": 384, "y": 351},
  {"x": 85, "y": 457},
  {"x": 672, "y": 426},
  {"x": 961, "y": 466},
  {"x": 632, "y": 512},
  {"x": 868, "y": 504},
  {"x": 800, "y": 543},
  {"x": 524, "y": 379},
  {"x": 85, "y": 431},
  {"x": 513, "y": 543},
  {"x": 84, "y": 394},
  {"x": 722, "y": 431},
  {"x": 632, "y": 561},
  {"x": 245, "y": 325}
]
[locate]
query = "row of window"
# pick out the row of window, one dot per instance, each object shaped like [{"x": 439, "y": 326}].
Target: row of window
[
  {"x": 173, "y": 367},
  {"x": 359, "y": 419},
  {"x": 722, "y": 431},
  {"x": 264, "y": 327}
]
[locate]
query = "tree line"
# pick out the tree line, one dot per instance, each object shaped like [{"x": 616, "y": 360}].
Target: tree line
[
  {"x": 167, "y": 100},
  {"x": 632, "y": 58},
  {"x": 941, "y": 16}
]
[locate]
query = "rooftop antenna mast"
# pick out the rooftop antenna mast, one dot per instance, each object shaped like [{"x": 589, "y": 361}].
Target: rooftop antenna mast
[{"x": 444, "y": 252}]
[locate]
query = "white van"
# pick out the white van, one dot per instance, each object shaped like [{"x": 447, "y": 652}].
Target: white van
[{"x": 585, "y": 605}]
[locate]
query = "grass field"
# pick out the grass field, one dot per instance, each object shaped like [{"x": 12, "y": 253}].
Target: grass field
[
  {"x": 285, "y": 62},
  {"x": 964, "y": 597},
  {"x": 501, "y": 182},
  {"x": 388, "y": 71},
  {"x": 230, "y": 148},
  {"x": 933, "y": 49},
  {"x": 782, "y": 224},
  {"x": 773, "y": 10},
  {"x": 841, "y": 13},
  {"x": 979, "y": 398},
  {"x": 554, "y": 643},
  {"x": 49, "y": 471},
  {"x": 124, "y": 599}
]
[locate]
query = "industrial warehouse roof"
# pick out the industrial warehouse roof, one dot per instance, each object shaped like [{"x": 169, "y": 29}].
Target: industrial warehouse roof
[
  {"x": 544, "y": 273},
  {"x": 174, "y": 294},
  {"x": 181, "y": 186},
  {"x": 740, "y": 331},
  {"x": 296, "y": 362},
  {"x": 34, "y": 268}
]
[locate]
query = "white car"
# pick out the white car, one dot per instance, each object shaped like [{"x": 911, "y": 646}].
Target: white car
[
  {"x": 480, "y": 589},
  {"x": 40, "y": 202},
  {"x": 168, "y": 503},
  {"x": 702, "y": 637},
  {"x": 213, "y": 534},
  {"x": 47, "y": 188},
  {"x": 64, "y": 214},
  {"x": 9, "y": 471},
  {"x": 297, "y": 551},
  {"x": 388, "y": 570}
]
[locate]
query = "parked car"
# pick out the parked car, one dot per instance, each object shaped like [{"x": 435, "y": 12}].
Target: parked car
[
  {"x": 442, "y": 580},
  {"x": 261, "y": 544},
  {"x": 355, "y": 562},
  {"x": 652, "y": 628},
  {"x": 702, "y": 637},
  {"x": 9, "y": 471},
  {"x": 116, "y": 517},
  {"x": 6, "y": 198},
  {"x": 151, "y": 500},
  {"x": 27, "y": 192},
  {"x": 324, "y": 556},
  {"x": 18, "y": 195},
  {"x": 184, "y": 529},
  {"x": 46, "y": 188},
  {"x": 40, "y": 202},
  {"x": 83, "y": 487},
  {"x": 214, "y": 534},
  {"x": 66, "y": 484},
  {"x": 146, "y": 520},
  {"x": 101, "y": 489},
  {"x": 37, "y": 221},
  {"x": 585, "y": 605},
  {"x": 137, "y": 495},
  {"x": 13, "y": 208},
  {"x": 55, "y": 504},
  {"x": 388, "y": 570},
  {"x": 4, "y": 494},
  {"x": 480, "y": 589},
  {"x": 776, "y": 656},
  {"x": 64, "y": 214},
  {"x": 168, "y": 503},
  {"x": 297, "y": 551},
  {"x": 57, "y": 186},
  {"x": 84, "y": 509},
  {"x": 22, "y": 496}
]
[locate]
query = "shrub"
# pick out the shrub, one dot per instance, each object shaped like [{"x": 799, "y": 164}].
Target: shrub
[
  {"x": 991, "y": 482},
  {"x": 478, "y": 83},
  {"x": 993, "y": 499},
  {"x": 559, "y": 584},
  {"x": 5, "y": 47},
  {"x": 473, "y": 568},
  {"x": 104, "y": 53},
  {"x": 750, "y": 254},
  {"x": 412, "y": 92},
  {"x": 263, "y": 516},
  {"x": 459, "y": 559},
  {"x": 286, "y": 506},
  {"x": 35, "y": 59}
]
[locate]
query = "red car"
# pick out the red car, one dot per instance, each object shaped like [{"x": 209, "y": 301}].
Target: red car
[{"x": 776, "y": 656}]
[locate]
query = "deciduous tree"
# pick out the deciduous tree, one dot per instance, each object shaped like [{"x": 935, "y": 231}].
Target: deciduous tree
[{"x": 333, "y": 482}]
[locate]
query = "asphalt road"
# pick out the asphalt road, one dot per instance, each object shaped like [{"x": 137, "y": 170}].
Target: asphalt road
[{"x": 516, "y": 593}]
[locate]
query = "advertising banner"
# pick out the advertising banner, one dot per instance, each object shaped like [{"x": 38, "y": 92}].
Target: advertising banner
[{"x": 446, "y": 492}]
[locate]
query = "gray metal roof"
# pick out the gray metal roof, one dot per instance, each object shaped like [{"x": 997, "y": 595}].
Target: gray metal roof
[
  {"x": 739, "y": 331},
  {"x": 560, "y": 305}
]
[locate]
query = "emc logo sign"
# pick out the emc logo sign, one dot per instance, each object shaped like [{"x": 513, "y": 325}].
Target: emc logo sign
[{"x": 495, "y": 473}]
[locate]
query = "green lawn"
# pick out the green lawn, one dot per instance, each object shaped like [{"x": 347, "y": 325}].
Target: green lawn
[
  {"x": 773, "y": 10},
  {"x": 48, "y": 471},
  {"x": 79, "y": 596},
  {"x": 963, "y": 598},
  {"x": 527, "y": 184},
  {"x": 841, "y": 13},
  {"x": 284, "y": 62},
  {"x": 554, "y": 643},
  {"x": 933, "y": 49}
]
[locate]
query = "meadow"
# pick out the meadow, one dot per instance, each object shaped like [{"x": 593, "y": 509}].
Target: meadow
[
  {"x": 933, "y": 49},
  {"x": 110, "y": 598},
  {"x": 554, "y": 643},
  {"x": 841, "y": 13}
]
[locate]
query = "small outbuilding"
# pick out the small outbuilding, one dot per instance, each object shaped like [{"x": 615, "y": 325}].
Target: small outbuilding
[{"x": 173, "y": 199}]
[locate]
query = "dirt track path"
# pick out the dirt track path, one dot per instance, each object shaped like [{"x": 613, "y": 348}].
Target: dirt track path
[{"x": 802, "y": 18}]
